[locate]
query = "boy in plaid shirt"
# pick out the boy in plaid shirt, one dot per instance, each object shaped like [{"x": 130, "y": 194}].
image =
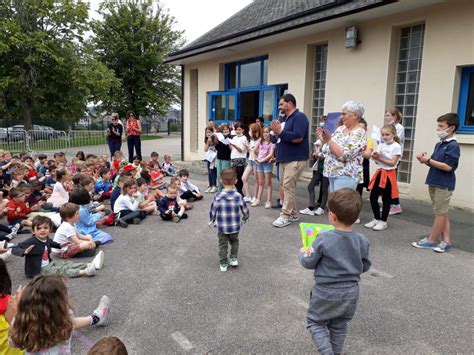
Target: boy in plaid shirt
[{"x": 225, "y": 215}]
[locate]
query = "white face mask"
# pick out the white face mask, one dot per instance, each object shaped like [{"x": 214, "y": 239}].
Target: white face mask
[
  {"x": 443, "y": 134},
  {"x": 391, "y": 122},
  {"x": 321, "y": 124}
]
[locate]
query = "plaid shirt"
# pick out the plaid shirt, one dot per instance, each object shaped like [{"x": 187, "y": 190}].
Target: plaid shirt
[{"x": 226, "y": 209}]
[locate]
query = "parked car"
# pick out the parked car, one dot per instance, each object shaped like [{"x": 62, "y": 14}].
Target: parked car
[
  {"x": 16, "y": 133},
  {"x": 3, "y": 134},
  {"x": 38, "y": 132}
]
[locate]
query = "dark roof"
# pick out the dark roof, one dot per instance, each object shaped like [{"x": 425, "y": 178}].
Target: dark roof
[{"x": 266, "y": 17}]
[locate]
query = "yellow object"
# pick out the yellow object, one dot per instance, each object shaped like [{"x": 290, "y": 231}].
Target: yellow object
[{"x": 5, "y": 348}]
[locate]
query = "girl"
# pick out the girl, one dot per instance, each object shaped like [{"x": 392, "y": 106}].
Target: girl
[
  {"x": 384, "y": 181},
  {"x": 255, "y": 133},
  {"x": 238, "y": 154},
  {"x": 210, "y": 142},
  {"x": 44, "y": 321},
  {"x": 264, "y": 152},
  {"x": 223, "y": 153},
  {"x": 86, "y": 224},
  {"x": 116, "y": 162},
  {"x": 393, "y": 116},
  {"x": 127, "y": 205},
  {"x": 61, "y": 189},
  {"x": 147, "y": 201}
]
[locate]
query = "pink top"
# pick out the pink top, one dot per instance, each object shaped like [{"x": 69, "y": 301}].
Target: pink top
[
  {"x": 132, "y": 127},
  {"x": 59, "y": 196},
  {"x": 264, "y": 149}
]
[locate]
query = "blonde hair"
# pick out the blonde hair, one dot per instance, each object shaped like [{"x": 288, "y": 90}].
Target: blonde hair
[
  {"x": 395, "y": 112},
  {"x": 393, "y": 130},
  {"x": 255, "y": 131},
  {"x": 268, "y": 129}
]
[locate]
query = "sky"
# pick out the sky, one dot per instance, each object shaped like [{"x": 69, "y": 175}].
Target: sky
[{"x": 195, "y": 17}]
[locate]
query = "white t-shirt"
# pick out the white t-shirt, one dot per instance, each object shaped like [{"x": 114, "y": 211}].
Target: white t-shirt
[
  {"x": 45, "y": 256},
  {"x": 63, "y": 234},
  {"x": 252, "y": 146},
  {"x": 387, "y": 151},
  {"x": 125, "y": 202},
  {"x": 239, "y": 142}
]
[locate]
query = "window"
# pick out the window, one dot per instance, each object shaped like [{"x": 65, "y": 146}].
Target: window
[
  {"x": 319, "y": 87},
  {"x": 406, "y": 94},
  {"x": 246, "y": 73},
  {"x": 466, "y": 101}
]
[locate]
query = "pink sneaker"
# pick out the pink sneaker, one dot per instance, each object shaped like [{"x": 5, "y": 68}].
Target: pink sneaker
[{"x": 395, "y": 209}]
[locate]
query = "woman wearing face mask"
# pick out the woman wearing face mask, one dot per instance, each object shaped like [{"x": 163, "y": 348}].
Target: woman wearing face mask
[{"x": 393, "y": 117}]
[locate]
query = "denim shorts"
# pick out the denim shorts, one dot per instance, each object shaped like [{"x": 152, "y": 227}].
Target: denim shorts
[
  {"x": 265, "y": 167},
  {"x": 251, "y": 164}
]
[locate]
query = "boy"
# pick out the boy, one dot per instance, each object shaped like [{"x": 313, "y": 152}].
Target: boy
[
  {"x": 37, "y": 250},
  {"x": 17, "y": 208},
  {"x": 169, "y": 208},
  {"x": 154, "y": 159},
  {"x": 77, "y": 244},
  {"x": 188, "y": 190},
  {"x": 169, "y": 169},
  {"x": 225, "y": 213},
  {"x": 338, "y": 257},
  {"x": 103, "y": 186},
  {"x": 441, "y": 182}
]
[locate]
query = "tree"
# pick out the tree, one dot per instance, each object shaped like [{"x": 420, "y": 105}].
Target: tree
[
  {"x": 133, "y": 40},
  {"x": 46, "y": 71}
]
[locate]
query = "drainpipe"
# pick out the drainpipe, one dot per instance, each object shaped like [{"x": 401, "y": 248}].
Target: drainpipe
[{"x": 182, "y": 112}]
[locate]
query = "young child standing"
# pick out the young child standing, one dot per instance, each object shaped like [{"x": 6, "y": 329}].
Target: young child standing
[
  {"x": 255, "y": 134},
  {"x": 338, "y": 258},
  {"x": 170, "y": 209},
  {"x": 223, "y": 153},
  {"x": 37, "y": 250},
  {"x": 225, "y": 213},
  {"x": 441, "y": 182},
  {"x": 264, "y": 153},
  {"x": 384, "y": 181},
  {"x": 210, "y": 142},
  {"x": 238, "y": 155}
]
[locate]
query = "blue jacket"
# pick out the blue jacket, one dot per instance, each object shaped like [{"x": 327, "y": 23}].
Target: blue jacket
[
  {"x": 296, "y": 126},
  {"x": 448, "y": 152}
]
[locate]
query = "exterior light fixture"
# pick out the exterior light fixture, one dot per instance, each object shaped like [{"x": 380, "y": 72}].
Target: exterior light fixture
[{"x": 352, "y": 37}]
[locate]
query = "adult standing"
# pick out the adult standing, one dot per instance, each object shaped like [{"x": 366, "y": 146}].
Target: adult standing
[
  {"x": 343, "y": 166},
  {"x": 134, "y": 130},
  {"x": 114, "y": 135},
  {"x": 292, "y": 153}
]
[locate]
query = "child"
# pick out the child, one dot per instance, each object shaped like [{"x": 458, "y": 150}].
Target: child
[
  {"x": 264, "y": 152},
  {"x": 87, "y": 222},
  {"x": 79, "y": 245},
  {"x": 126, "y": 207},
  {"x": 117, "y": 190},
  {"x": 103, "y": 186},
  {"x": 169, "y": 207},
  {"x": 210, "y": 141},
  {"x": 156, "y": 176},
  {"x": 17, "y": 208},
  {"x": 188, "y": 190},
  {"x": 108, "y": 345},
  {"x": 146, "y": 199},
  {"x": 223, "y": 153},
  {"x": 255, "y": 133},
  {"x": 366, "y": 162},
  {"x": 393, "y": 117},
  {"x": 17, "y": 177},
  {"x": 117, "y": 160},
  {"x": 37, "y": 250},
  {"x": 60, "y": 193},
  {"x": 384, "y": 181},
  {"x": 168, "y": 167},
  {"x": 338, "y": 257},
  {"x": 44, "y": 321},
  {"x": 441, "y": 182},
  {"x": 7, "y": 165},
  {"x": 225, "y": 213},
  {"x": 238, "y": 154},
  {"x": 154, "y": 158},
  {"x": 137, "y": 164}
]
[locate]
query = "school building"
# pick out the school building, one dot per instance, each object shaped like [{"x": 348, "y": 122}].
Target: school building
[{"x": 414, "y": 55}]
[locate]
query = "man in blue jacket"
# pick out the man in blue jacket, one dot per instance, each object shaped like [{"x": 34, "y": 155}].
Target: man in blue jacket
[{"x": 292, "y": 152}]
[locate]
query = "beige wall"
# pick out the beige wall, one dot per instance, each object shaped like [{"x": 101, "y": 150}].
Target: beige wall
[{"x": 367, "y": 74}]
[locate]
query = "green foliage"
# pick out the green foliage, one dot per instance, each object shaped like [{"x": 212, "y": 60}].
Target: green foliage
[
  {"x": 133, "y": 40},
  {"x": 47, "y": 73}
]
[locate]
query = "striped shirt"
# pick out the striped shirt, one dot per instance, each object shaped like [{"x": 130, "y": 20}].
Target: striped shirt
[{"x": 226, "y": 210}]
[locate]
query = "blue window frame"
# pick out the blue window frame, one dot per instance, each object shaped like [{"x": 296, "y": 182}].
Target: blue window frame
[
  {"x": 222, "y": 106},
  {"x": 246, "y": 73},
  {"x": 466, "y": 101}
]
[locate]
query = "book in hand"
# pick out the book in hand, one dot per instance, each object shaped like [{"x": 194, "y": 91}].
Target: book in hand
[
  {"x": 309, "y": 232},
  {"x": 332, "y": 119}
]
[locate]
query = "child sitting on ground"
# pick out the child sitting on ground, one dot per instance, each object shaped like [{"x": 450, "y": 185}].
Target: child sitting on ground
[
  {"x": 37, "y": 250},
  {"x": 17, "y": 208},
  {"x": 60, "y": 193},
  {"x": 177, "y": 182},
  {"x": 43, "y": 321},
  {"x": 103, "y": 186},
  {"x": 154, "y": 158},
  {"x": 188, "y": 190},
  {"x": 137, "y": 164},
  {"x": 225, "y": 213},
  {"x": 79, "y": 245},
  {"x": 146, "y": 199},
  {"x": 169, "y": 169},
  {"x": 156, "y": 176},
  {"x": 169, "y": 207},
  {"x": 108, "y": 346},
  {"x": 126, "y": 207},
  {"x": 338, "y": 258}
]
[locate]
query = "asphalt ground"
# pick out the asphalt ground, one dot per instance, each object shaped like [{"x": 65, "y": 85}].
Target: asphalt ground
[{"x": 168, "y": 295}]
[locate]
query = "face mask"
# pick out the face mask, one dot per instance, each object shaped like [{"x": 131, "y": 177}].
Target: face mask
[
  {"x": 238, "y": 134},
  {"x": 321, "y": 124},
  {"x": 443, "y": 134},
  {"x": 391, "y": 122}
]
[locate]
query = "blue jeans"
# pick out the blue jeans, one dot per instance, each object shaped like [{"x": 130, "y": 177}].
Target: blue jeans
[
  {"x": 211, "y": 175},
  {"x": 341, "y": 182},
  {"x": 113, "y": 147}
]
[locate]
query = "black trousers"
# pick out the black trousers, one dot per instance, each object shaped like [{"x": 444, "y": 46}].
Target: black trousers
[
  {"x": 134, "y": 142},
  {"x": 386, "y": 199}
]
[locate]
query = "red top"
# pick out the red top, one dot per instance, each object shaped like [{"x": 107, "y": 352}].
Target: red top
[
  {"x": 4, "y": 303},
  {"x": 132, "y": 127},
  {"x": 32, "y": 174},
  {"x": 12, "y": 213}
]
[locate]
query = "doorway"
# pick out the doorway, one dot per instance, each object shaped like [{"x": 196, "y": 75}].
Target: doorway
[{"x": 249, "y": 107}]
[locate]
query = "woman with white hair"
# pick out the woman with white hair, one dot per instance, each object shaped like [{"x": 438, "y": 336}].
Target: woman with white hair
[{"x": 343, "y": 166}]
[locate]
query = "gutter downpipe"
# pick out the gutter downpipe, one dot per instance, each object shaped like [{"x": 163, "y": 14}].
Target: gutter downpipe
[{"x": 182, "y": 112}]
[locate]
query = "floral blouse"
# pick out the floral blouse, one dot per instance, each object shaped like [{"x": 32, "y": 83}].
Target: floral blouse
[{"x": 350, "y": 163}]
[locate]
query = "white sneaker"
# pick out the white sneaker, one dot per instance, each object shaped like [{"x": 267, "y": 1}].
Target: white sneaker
[
  {"x": 371, "y": 224},
  {"x": 16, "y": 228},
  {"x": 90, "y": 270},
  {"x": 98, "y": 261},
  {"x": 247, "y": 199},
  {"x": 255, "y": 203},
  {"x": 102, "y": 311},
  {"x": 357, "y": 221},
  {"x": 6, "y": 255},
  {"x": 234, "y": 262},
  {"x": 380, "y": 226},
  {"x": 319, "y": 211},
  {"x": 253, "y": 199},
  {"x": 208, "y": 190},
  {"x": 307, "y": 212},
  {"x": 281, "y": 222},
  {"x": 268, "y": 205},
  {"x": 213, "y": 189}
]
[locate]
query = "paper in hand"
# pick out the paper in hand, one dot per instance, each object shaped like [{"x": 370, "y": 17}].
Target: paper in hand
[
  {"x": 375, "y": 133},
  {"x": 219, "y": 136},
  {"x": 331, "y": 122}
]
